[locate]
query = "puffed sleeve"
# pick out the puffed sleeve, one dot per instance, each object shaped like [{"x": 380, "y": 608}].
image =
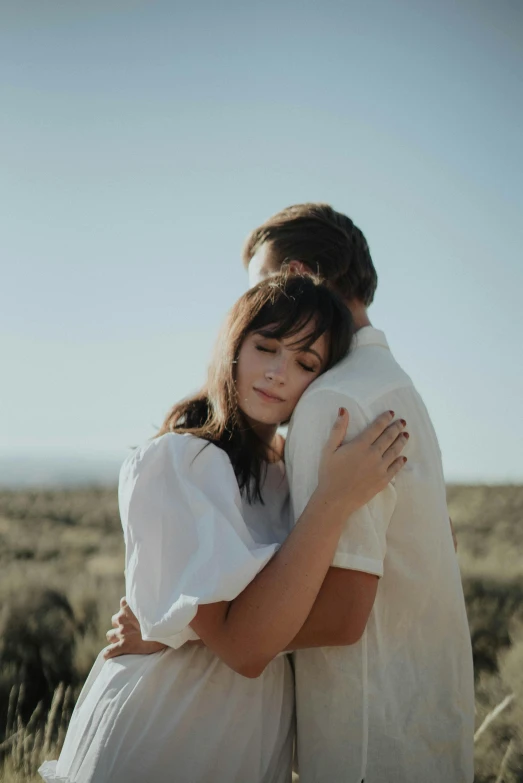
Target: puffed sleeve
[{"x": 186, "y": 540}]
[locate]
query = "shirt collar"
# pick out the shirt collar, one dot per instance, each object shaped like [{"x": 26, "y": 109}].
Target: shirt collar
[{"x": 368, "y": 335}]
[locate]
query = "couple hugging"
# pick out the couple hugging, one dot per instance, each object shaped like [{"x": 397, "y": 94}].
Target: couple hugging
[{"x": 286, "y": 599}]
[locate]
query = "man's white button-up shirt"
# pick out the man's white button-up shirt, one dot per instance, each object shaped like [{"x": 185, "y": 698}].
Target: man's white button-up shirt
[{"x": 397, "y": 706}]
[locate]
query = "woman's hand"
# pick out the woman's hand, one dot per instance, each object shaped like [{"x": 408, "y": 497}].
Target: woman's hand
[{"x": 353, "y": 473}]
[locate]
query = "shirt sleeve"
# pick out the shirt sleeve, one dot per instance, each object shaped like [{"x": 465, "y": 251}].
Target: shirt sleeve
[
  {"x": 186, "y": 540},
  {"x": 362, "y": 544}
]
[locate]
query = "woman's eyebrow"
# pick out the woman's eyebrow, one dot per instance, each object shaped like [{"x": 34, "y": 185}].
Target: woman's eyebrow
[{"x": 311, "y": 350}]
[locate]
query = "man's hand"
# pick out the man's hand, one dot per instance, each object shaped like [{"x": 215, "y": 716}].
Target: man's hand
[{"x": 126, "y": 636}]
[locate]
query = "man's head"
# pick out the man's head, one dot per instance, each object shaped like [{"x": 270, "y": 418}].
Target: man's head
[{"x": 323, "y": 240}]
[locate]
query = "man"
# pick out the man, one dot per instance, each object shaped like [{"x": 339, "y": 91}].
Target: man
[{"x": 384, "y": 686}]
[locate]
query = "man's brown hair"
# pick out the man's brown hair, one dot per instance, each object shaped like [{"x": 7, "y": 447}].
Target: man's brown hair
[{"x": 326, "y": 241}]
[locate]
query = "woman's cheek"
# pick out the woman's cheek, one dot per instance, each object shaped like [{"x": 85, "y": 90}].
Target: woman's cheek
[{"x": 294, "y": 401}]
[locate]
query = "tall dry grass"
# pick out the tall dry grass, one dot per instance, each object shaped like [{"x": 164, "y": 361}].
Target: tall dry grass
[
  {"x": 61, "y": 577},
  {"x": 28, "y": 744}
]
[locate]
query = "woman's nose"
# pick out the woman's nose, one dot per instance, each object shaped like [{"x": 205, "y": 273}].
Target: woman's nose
[{"x": 276, "y": 372}]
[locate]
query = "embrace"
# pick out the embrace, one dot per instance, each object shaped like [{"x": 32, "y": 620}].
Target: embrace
[{"x": 286, "y": 602}]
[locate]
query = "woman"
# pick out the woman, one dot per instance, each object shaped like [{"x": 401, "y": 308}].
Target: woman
[{"x": 205, "y": 511}]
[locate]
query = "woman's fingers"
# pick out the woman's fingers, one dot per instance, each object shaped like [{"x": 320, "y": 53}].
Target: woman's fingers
[
  {"x": 396, "y": 466},
  {"x": 339, "y": 431},
  {"x": 377, "y": 427},
  {"x": 390, "y": 435},
  {"x": 380, "y": 433},
  {"x": 396, "y": 447}
]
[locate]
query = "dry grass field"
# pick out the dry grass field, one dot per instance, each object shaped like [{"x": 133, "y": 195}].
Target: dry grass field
[{"x": 61, "y": 562}]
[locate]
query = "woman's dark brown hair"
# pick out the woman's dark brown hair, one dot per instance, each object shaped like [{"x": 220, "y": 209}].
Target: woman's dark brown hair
[{"x": 282, "y": 305}]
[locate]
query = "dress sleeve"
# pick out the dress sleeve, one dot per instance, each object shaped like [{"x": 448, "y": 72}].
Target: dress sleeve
[
  {"x": 186, "y": 540},
  {"x": 362, "y": 545}
]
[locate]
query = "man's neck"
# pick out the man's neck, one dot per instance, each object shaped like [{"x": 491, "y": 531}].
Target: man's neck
[
  {"x": 359, "y": 313},
  {"x": 262, "y": 264}
]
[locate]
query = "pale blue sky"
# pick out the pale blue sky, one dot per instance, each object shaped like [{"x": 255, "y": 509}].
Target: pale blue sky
[{"x": 141, "y": 141}]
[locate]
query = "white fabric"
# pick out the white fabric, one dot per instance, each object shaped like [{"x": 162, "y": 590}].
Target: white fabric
[
  {"x": 398, "y": 706},
  {"x": 182, "y": 715}
]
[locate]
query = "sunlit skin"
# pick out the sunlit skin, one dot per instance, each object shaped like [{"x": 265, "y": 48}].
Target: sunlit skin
[{"x": 272, "y": 375}]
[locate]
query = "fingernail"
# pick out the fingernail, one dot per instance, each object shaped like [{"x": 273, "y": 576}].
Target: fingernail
[
  {"x": 406, "y": 435},
  {"x": 391, "y": 413},
  {"x": 403, "y": 422},
  {"x": 341, "y": 411}
]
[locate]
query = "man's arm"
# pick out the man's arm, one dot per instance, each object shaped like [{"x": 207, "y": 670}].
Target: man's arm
[
  {"x": 341, "y": 611},
  {"x": 344, "y": 603}
]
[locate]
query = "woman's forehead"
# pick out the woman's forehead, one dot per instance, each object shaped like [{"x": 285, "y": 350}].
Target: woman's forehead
[{"x": 297, "y": 340}]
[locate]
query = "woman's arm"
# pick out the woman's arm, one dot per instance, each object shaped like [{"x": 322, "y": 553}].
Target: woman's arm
[
  {"x": 248, "y": 632},
  {"x": 337, "y": 618}
]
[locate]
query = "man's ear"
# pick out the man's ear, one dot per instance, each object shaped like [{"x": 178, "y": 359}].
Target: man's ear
[{"x": 298, "y": 268}]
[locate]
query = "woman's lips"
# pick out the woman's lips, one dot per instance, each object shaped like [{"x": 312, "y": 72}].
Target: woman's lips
[{"x": 267, "y": 397}]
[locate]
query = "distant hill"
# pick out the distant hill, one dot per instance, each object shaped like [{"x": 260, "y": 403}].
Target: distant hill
[
  {"x": 76, "y": 470},
  {"x": 73, "y": 471}
]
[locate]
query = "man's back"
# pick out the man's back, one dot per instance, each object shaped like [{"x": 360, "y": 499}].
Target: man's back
[{"x": 398, "y": 706}]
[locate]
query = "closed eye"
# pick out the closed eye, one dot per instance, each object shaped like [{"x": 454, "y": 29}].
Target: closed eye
[
  {"x": 306, "y": 367},
  {"x": 265, "y": 350}
]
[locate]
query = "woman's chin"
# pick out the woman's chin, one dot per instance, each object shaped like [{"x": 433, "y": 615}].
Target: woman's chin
[{"x": 257, "y": 418}]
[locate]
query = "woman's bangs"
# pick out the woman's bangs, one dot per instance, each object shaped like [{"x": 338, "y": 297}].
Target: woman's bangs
[{"x": 287, "y": 315}]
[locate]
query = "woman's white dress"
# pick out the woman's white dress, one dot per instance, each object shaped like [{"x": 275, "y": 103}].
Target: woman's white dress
[{"x": 181, "y": 715}]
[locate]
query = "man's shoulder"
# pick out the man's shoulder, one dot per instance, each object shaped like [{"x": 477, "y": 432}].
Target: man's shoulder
[{"x": 361, "y": 378}]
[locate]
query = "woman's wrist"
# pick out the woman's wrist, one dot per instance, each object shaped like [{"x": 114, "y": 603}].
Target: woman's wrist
[{"x": 329, "y": 506}]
